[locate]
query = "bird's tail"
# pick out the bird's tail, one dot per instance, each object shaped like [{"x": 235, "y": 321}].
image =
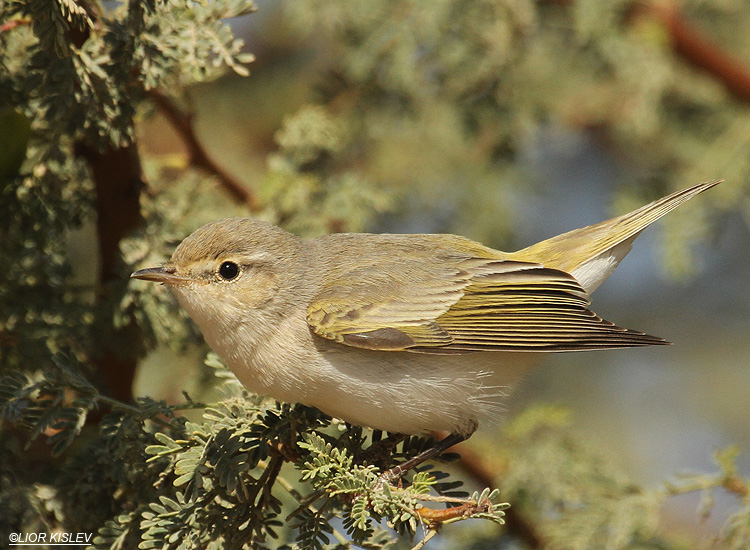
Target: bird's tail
[{"x": 591, "y": 253}]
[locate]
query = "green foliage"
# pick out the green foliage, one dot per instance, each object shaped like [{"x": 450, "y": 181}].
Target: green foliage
[
  {"x": 182, "y": 484},
  {"x": 334, "y": 471},
  {"x": 416, "y": 99},
  {"x": 78, "y": 94},
  {"x": 56, "y": 403},
  {"x": 420, "y": 87},
  {"x": 579, "y": 499},
  {"x": 306, "y": 189},
  {"x": 220, "y": 482},
  {"x": 586, "y": 501}
]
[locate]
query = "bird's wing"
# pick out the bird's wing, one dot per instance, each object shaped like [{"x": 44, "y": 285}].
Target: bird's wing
[
  {"x": 475, "y": 304},
  {"x": 391, "y": 305}
]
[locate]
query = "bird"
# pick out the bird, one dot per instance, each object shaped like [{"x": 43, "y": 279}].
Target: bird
[{"x": 405, "y": 333}]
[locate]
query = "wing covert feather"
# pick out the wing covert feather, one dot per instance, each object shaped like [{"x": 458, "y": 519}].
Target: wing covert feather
[
  {"x": 390, "y": 306},
  {"x": 462, "y": 305}
]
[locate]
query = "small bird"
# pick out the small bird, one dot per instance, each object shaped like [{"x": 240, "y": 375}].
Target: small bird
[{"x": 402, "y": 333}]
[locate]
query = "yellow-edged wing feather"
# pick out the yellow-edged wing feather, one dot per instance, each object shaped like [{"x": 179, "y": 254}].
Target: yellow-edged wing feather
[
  {"x": 538, "y": 309},
  {"x": 447, "y": 294},
  {"x": 464, "y": 305}
]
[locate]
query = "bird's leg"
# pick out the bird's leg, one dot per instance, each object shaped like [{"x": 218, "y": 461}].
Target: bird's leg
[{"x": 444, "y": 444}]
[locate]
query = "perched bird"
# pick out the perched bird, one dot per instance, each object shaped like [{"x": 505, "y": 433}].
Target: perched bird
[{"x": 403, "y": 333}]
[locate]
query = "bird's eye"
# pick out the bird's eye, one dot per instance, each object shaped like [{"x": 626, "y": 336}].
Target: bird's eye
[{"x": 229, "y": 270}]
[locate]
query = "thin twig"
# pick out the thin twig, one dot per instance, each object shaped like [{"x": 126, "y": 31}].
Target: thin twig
[
  {"x": 732, "y": 484},
  {"x": 289, "y": 488},
  {"x": 306, "y": 502},
  {"x": 437, "y": 517},
  {"x": 275, "y": 467},
  {"x": 119, "y": 405},
  {"x": 268, "y": 471},
  {"x": 429, "y": 534},
  {"x": 182, "y": 122},
  {"x": 13, "y": 23},
  {"x": 440, "y": 498},
  {"x": 328, "y": 516}
]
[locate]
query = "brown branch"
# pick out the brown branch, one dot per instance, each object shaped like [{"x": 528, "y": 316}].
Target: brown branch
[
  {"x": 736, "y": 485},
  {"x": 182, "y": 122},
  {"x": 476, "y": 467},
  {"x": 434, "y": 518},
  {"x": 693, "y": 45},
  {"x": 118, "y": 184},
  {"x": 699, "y": 50},
  {"x": 13, "y": 23},
  {"x": 732, "y": 483}
]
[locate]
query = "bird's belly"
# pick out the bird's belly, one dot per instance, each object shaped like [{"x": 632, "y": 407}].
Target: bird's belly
[
  {"x": 413, "y": 393},
  {"x": 400, "y": 392}
]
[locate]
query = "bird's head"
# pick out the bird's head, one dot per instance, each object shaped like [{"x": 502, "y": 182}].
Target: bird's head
[{"x": 230, "y": 271}]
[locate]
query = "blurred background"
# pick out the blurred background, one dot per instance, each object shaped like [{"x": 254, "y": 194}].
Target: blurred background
[
  {"x": 517, "y": 129},
  {"x": 507, "y": 122},
  {"x": 569, "y": 134}
]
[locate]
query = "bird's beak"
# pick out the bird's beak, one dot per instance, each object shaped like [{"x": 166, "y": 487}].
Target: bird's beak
[{"x": 164, "y": 274}]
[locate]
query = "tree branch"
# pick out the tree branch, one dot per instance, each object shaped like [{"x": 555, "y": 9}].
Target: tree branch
[
  {"x": 13, "y": 23},
  {"x": 693, "y": 45},
  {"x": 699, "y": 50},
  {"x": 118, "y": 184},
  {"x": 475, "y": 467},
  {"x": 182, "y": 122}
]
